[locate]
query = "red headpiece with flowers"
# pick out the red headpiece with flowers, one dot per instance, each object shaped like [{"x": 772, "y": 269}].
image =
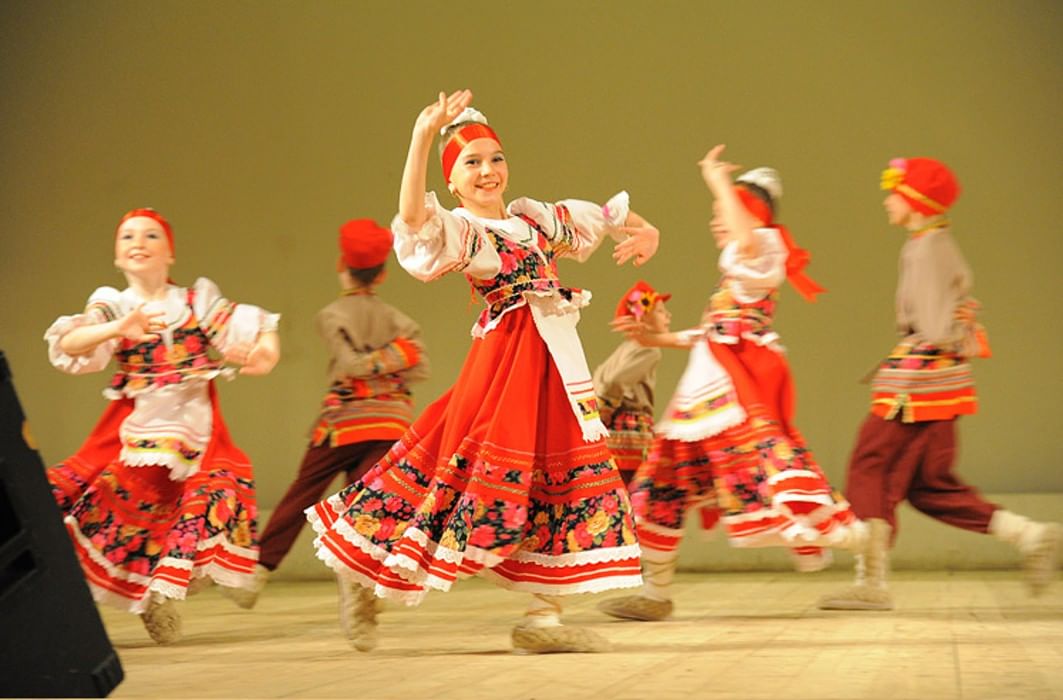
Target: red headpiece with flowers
[
  {"x": 926, "y": 184},
  {"x": 639, "y": 300}
]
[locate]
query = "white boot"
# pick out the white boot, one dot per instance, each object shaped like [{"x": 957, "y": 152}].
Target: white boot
[
  {"x": 247, "y": 597},
  {"x": 358, "y": 609},
  {"x": 869, "y": 591},
  {"x": 654, "y": 601},
  {"x": 1039, "y": 544},
  {"x": 161, "y": 619},
  {"x": 541, "y": 631}
]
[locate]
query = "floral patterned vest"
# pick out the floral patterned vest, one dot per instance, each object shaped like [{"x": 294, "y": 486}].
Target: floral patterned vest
[
  {"x": 524, "y": 269},
  {"x": 154, "y": 364},
  {"x": 729, "y": 320}
]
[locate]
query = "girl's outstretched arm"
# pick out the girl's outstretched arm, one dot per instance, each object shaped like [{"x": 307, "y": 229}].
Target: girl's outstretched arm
[
  {"x": 414, "y": 175},
  {"x": 717, "y": 174}
]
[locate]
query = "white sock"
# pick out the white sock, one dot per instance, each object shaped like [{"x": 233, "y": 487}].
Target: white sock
[
  {"x": 544, "y": 611},
  {"x": 658, "y": 570},
  {"x": 1017, "y": 530}
]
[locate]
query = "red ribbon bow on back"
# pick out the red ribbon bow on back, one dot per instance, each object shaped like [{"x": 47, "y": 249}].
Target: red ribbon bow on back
[{"x": 797, "y": 258}]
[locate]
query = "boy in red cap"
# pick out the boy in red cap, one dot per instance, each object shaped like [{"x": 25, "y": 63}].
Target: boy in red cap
[
  {"x": 906, "y": 446},
  {"x": 625, "y": 382},
  {"x": 375, "y": 353}
]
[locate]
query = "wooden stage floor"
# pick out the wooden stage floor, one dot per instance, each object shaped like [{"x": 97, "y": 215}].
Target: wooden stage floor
[{"x": 734, "y": 636}]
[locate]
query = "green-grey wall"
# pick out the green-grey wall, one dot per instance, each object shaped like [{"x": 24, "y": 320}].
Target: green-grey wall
[{"x": 258, "y": 127}]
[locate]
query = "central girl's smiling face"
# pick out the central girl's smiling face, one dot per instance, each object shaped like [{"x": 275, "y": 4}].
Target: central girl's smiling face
[
  {"x": 480, "y": 176},
  {"x": 141, "y": 247}
]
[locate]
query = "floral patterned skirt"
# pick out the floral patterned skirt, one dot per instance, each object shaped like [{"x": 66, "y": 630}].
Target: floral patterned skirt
[
  {"x": 136, "y": 531},
  {"x": 757, "y": 478},
  {"x": 630, "y": 437},
  {"x": 493, "y": 478}
]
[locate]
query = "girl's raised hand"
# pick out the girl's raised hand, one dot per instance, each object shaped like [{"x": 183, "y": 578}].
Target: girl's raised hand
[
  {"x": 713, "y": 167},
  {"x": 137, "y": 324},
  {"x": 441, "y": 112}
]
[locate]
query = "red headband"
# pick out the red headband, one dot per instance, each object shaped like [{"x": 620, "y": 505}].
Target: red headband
[
  {"x": 796, "y": 259},
  {"x": 151, "y": 214},
  {"x": 460, "y": 139}
]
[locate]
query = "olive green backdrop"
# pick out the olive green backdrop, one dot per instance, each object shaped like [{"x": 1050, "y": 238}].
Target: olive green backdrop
[{"x": 259, "y": 127}]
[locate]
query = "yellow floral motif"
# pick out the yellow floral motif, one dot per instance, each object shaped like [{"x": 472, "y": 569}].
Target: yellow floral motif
[
  {"x": 448, "y": 540},
  {"x": 479, "y": 511},
  {"x": 400, "y": 529},
  {"x": 177, "y": 354},
  {"x": 891, "y": 177},
  {"x": 573, "y": 545},
  {"x": 366, "y": 525},
  {"x": 728, "y": 502},
  {"x": 428, "y": 504},
  {"x": 152, "y": 547},
  {"x": 241, "y": 536},
  {"x": 541, "y": 518},
  {"x": 783, "y": 451},
  {"x": 598, "y": 523},
  {"x": 530, "y": 544},
  {"x": 627, "y": 535}
]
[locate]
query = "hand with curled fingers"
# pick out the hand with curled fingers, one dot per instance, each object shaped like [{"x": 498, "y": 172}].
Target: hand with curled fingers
[
  {"x": 715, "y": 170},
  {"x": 138, "y": 324},
  {"x": 441, "y": 112}
]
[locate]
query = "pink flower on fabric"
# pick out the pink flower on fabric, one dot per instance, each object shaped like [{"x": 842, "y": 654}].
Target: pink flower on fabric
[
  {"x": 158, "y": 355},
  {"x": 583, "y": 536},
  {"x": 509, "y": 263},
  {"x": 482, "y": 536},
  {"x": 139, "y": 566},
  {"x": 610, "y": 504},
  {"x": 513, "y": 516},
  {"x": 193, "y": 344},
  {"x": 372, "y": 505},
  {"x": 387, "y": 527},
  {"x": 393, "y": 504},
  {"x": 223, "y": 512}
]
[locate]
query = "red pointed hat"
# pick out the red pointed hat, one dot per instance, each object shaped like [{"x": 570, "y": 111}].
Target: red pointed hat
[
  {"x": 364, "y": 243},
  {"x": 639, "y": 300},
  {"x": 927, "y": 184}
]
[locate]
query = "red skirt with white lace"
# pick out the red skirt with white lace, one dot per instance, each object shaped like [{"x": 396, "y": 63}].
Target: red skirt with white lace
[
  {"x": 493, "y": 478},
  {"x": 757, "y": 478},
  {"x": 136, "y": 531}
]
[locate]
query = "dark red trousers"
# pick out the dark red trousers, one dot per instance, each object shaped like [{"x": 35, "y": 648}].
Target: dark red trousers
[
  {"x": 319, "y": 467},
  {"x": 893, "y": 461}
]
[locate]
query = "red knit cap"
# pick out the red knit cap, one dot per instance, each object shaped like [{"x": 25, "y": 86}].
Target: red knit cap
[
  {"x": 364, "y": 243},
  {"x": 639, "y": 301},
  {"x": 926, "y": 184}
]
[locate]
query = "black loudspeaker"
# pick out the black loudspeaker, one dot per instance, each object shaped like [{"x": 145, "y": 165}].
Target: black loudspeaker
[{"x": 52, "y": 641}]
